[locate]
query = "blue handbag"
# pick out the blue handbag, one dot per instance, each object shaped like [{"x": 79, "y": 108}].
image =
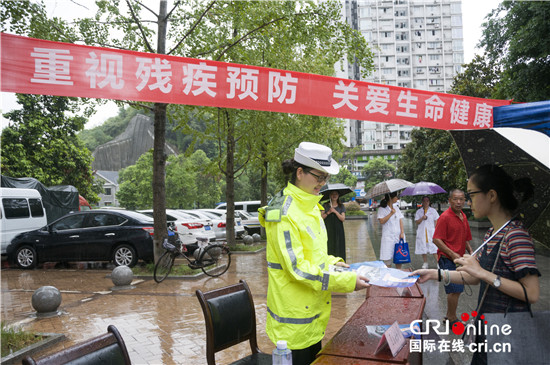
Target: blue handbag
[{"x": 401, "y": 254}]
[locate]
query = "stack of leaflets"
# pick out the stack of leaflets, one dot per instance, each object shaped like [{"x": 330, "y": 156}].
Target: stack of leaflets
[{"x": 380, "y": 275}]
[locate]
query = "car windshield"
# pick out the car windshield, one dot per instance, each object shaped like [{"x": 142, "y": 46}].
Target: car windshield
[
  {"x": 244, "y": 214},
  {"x": 183, "y": 215},
  {"x": 212, "y": 215},
  {"x": 196, "y": 215}
]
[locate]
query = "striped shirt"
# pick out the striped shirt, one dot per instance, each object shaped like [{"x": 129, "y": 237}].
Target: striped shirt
[{"x": 516, "y": 260}]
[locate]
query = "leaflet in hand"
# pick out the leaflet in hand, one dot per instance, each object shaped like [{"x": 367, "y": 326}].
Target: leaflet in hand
[{"x": 380, "y": 275}]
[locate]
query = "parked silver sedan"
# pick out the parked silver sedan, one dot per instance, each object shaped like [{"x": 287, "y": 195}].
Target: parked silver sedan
[
  {"x": 239, "y": 228},
  {"x": 218, "y": 224},
  {"x": 188, "y": 227}
]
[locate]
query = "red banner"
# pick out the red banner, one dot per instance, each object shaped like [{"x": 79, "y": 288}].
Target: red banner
[{"x": 34, "y": 66}]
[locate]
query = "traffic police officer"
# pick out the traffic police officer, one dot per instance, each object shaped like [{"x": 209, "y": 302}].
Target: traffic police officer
[{"x": 301, "y": 273}]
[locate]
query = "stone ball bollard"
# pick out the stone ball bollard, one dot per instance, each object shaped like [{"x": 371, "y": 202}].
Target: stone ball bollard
[
  {"x": 45, "y": 300},
  {"x": 122, "y": 276},
  {"x": 256, "y": 237},
  {"x": 248, "y": 240}
]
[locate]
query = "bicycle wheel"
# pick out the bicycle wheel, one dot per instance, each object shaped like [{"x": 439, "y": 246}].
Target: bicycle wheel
[
  {"x": 215, "y": 260},
  {"x": 163, "y": 266}
]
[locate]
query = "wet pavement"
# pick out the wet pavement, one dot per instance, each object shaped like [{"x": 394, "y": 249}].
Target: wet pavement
[{"x": 163, "y": 323}]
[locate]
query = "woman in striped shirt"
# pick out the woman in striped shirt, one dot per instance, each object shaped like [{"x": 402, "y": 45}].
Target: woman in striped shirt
[{"x": 491, "y": 192}]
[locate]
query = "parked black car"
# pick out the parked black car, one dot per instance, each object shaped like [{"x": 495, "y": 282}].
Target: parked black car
[{"x": 120, "y": 236}]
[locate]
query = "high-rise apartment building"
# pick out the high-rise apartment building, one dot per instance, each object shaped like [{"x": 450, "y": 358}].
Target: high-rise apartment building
[{"x": 417, "y": 44}]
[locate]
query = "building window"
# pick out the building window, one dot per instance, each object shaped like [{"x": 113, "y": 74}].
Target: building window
[
  {"x": 456, "y": 21},
  {"x": 108, "y": 191},
  {"x": 365, "y": 24},
  {"x": 458, "y": 58},
  {"x": 420, "y": 83},
  {"x": 457, "y": 45},
  {"x": 457, "y": 33},
  {"x": 456, "y": 7},
  {"x": 364, "y": 12}
]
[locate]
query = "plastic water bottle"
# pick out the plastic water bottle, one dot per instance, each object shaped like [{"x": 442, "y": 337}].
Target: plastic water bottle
[{"x": 282, "y": 354}]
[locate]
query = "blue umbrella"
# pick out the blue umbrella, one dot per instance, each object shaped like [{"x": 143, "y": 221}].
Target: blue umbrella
[{"x": 423, "y": 188}]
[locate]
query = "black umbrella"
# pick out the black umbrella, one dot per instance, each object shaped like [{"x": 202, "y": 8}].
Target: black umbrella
[
  {"x": 487, "y": 146},
  {"x": 340, "y": 188}
]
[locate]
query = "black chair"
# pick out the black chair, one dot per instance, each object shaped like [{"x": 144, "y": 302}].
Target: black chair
[
  {"x": 105, "y": 349},
  {"x": 230, "y": 319}
]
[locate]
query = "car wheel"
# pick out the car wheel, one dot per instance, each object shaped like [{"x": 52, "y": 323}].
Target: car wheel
[
  {"x": 125, "y": 255},
  {"x": 25, "y": 257}
]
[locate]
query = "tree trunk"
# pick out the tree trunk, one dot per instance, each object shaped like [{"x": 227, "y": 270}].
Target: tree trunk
[
  {"x": 230, "y": 181},
  {"x": 263, "y": 180},
  {"x": 159, "y": 158},
  {"x": 263, "y": 186}
]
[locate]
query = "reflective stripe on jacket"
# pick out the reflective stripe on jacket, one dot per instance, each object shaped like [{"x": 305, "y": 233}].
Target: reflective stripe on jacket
[{"x": 300, "y": 285}]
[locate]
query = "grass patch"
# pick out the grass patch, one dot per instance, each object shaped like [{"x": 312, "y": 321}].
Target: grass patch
[{"x": 14, "y": 340}]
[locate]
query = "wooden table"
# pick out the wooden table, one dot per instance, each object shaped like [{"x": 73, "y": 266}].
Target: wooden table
[
  {"x": 353, "y": 341},
  {"x": 338, "y": 360}
]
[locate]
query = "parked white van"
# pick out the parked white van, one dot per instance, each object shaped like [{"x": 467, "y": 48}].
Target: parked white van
[
  {"x": 250, "y": 206},
  {"x": 21, "y": 211}
]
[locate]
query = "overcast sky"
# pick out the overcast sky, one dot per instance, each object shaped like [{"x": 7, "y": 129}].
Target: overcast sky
[{"x": 473, "y": 14}]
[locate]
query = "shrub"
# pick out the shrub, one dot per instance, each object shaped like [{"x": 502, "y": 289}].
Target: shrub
[{"x": 353, "y": 208}]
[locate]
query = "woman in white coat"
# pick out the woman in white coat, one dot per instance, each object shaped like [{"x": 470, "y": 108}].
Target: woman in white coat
[
  {"x": 425, "y": 218},
  {"x": 391, "y": 219}
]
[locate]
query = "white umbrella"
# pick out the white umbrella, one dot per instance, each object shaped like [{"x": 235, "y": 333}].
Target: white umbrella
[{"x": 388, "y": 186}]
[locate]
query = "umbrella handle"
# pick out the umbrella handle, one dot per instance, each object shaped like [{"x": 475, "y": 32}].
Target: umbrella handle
[{"x": 490, "y": 238}]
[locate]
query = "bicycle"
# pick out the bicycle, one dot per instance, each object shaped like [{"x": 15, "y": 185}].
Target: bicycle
[{"x": 213, "y": 259}]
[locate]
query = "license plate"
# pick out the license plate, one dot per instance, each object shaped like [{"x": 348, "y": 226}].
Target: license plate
[{"x": 207, "y": 228}]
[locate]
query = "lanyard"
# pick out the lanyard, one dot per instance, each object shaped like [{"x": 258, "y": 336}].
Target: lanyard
[{"x": 490, "y": 238}]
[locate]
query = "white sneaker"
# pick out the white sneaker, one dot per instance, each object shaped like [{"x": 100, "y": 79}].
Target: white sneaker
[{"x": 425, "y": 265}]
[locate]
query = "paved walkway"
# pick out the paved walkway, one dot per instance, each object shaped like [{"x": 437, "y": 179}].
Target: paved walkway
[{"x": 163, "y": 323}]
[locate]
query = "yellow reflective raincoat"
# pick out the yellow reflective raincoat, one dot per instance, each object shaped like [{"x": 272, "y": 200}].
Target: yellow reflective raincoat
[{"x": 300, "y": 284}]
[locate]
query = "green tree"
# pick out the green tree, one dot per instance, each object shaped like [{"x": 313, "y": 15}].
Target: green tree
[
  {"x": 135, "y": 184},
  {"x": 345, "y": 177},
  {"x": 207, "y": 179},
  {"x": 377, "y": 170},
  {"x": 432, "y": 156},
  {"x": 41, "y": 142},
  {"x": 192, "y": 181},
  {"x": 478, "y": 79},
  {"x": 515, "y": 37}
]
